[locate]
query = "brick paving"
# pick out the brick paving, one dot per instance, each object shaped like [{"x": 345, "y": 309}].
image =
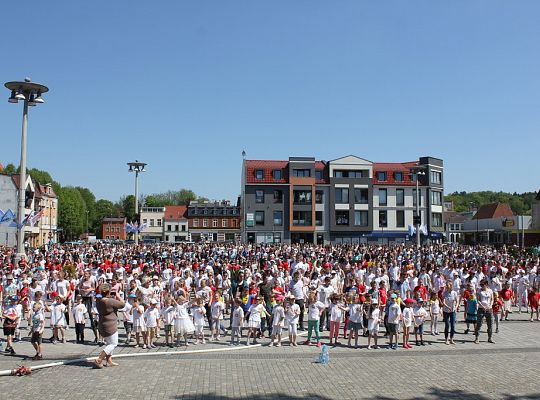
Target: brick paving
[{"x": 507, "y": 370}]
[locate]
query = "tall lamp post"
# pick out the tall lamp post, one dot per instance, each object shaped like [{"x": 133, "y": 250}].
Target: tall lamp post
[
  {"x": 417, "y": 220},
  {"x": 136, "y": 167},
  {"x": 30, "y": 94}
]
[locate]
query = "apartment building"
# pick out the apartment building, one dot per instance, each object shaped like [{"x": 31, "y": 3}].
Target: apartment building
[
  {"x": 213, "y": 221},
  {"x": 153, "y": 218},
  {"x": 346, "y": 200},
  {"x": 175, "y": 224}
]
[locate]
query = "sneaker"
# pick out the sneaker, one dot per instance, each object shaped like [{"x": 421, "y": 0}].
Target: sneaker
[
  {"x": 319, "y": 344},
  {"x": 278, "y": 345},
  {"x": 307, "y": 343},
  {"x": 447, "y": 342},
  {"x": 476, "y": 341},
  {"x": 369, "y": 347},
  {"x": 136, "y": 346},
  {"x": 491, "y": 341}
]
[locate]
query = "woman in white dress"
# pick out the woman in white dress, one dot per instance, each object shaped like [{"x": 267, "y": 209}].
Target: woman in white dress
[{"x": 254, "y": 321}]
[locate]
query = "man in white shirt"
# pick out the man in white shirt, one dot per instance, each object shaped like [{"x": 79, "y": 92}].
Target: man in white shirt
[{"x": 485, "y": 309}]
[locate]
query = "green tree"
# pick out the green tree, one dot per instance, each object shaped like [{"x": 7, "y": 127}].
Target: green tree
[
  {"x": 10, "y": 169},
  {"x": 127, "y": 204},
  {"x": 89, "y": 203},
  {"x": 71, "y": 212}
]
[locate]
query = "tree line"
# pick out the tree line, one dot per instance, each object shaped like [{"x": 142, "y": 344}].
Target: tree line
[
  {"x": 520, "y": 203},
  {"x": 79, "y": 211}
]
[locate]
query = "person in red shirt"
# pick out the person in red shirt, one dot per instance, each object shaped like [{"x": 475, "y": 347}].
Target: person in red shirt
[
  {"x": 420, "y": 291},
  {"x": 465, "y": 296},
  {"x": 533, "y": 297},
  {"x": 497, "y": 308},
  {"x": 506, "y": 295}
]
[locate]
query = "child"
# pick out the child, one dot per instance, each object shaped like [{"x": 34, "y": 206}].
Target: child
[
  {"x": 95, "y": 315},
  {"x": 278, "y": 318},
  {"x": 394, "y": 316},
  {"x": 315, "y": 309},
  {"x": 348, "y": 301},
  {"x": 38, "y": 326},
  {"x": 292, "y": 313},
  {"x": 336, "y": 315},
  {"x": 139, "y": 324},
  {"x": 356, "y": 311},
  {"x": 218, "y": 307},
  {"x": 199, "y": 312},
  {"x": 407, "y": 322},
  {"x": 183, "y": 325},
  {"x": 497, "y": 309},
  {"x": 256, "y": 311},
  {"x": 58, "y": 320},
  {"x": 506, "y": 295},
  {"x": 374, "y": 318},
  {"x": 471, "y": 307},
  {"x": 419, "y": 314},
  {"x": 434, "y": 311},
  {"x": 237, "y": 322},
  {"x": 128, "y": 317},
  {"x": 79, "y": 316},
  {"x": 151, "y": 317},
  {"x": 11, "y": 319},
  {"x": 533, "y": 298},
  {"x": 168, "y": 314}
]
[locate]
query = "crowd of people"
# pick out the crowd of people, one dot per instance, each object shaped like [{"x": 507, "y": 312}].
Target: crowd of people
[{"x": 188, "y": 294}]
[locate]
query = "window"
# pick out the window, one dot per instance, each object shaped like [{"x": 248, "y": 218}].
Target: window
[
  {"x": 169, "y": 228},
  {"x": 350, "y": 174},
  {"x": 259, "y": 196},
  {"x": 144, "y": 221},
  {"x": 205, "y": 223},
  {"x": 436, "y": 198},
  {"x": 342, "y": 196},
  {"x": 437, "y": 219},
  {"x": 224, "y": 223},
  {"x": 383, "y": 221},
  {"x": 319, "y": 218},
  {"x": 159, "y": 222},
  {"x": 302, "y": 196},
  {"x": 183, "y": 228},
  {"x": 383, "y": 197},
  {"x": 436, "y": 177},
  {"x": 360, "y": 218},
  {"x": 302, "y": 218},
  {"x": 278, "y": 196},
  {"x": 176, "y": 228},
  {"x": 361, "y": 196},
  {"x": 319, "y": 196},
  {"x": 302, "y": 173},
  {"x": 278, "y": 218},
  {"x": 195, "y": 223},
  {"x": 214, "y": 223},
  {"x": 151, "y": 222},
  {"x": 107, "y": 229},
  {"x": 342, "y": 217},
  {"x": 318, "y": 175},
  {"x": 400, "y": 197},
  {"x": 400, "y": 219},
  {"x": 398, "y": 176},
  {"x": 259, "y": 174},
  {"x": 277, "y": 174},
  {"x": 381, "y": 176},
  {"x": 259, "y": 217}
]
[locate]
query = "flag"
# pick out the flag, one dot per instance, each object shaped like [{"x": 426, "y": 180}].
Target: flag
[
  {"x": 143, "y": 227},
  {"x": 35, "y": 218},
  {"x": 412, "y": 230},
  {"x": 423, "y": 230},
  {"x": 7, "y": 216}
]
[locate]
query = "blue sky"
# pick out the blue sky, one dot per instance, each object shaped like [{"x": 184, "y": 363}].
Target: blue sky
[{"x": 187, "y": 85}]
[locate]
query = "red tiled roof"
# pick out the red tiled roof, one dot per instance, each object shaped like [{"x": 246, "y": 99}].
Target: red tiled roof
[
  {"x": 390, "y": 168},
  {"x": 267, "y": 166},
  {"x": 493, "y": 210},
  {"x": 174, "y": 212}
]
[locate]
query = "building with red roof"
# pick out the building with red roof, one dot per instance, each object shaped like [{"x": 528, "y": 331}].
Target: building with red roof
[
  {"x": 345, "y": 200},
  {"x": 175, "y": 224}
]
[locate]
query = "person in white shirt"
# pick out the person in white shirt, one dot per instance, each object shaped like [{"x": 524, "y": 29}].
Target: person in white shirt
[
  {"x": 58, "y": 320},
  {"x": 237, "y": 322},
  {"x": 315, "y": 309},
  {"x": 296, "y": 288},
  {"x": 151, "y": 317},
  {"x": 256, "y": 311},
  {"x": 139, "y": 324},
  {"x": 278, "y": 319},
  {"x": 325, "y": 292},
  {"x": 79, "y": 317},
  {"x": 168, "y": 314},
  {"x": 217, "y": 309},
  {"x": 198, "y": 312},
  {"x": 374, "y": 318},
  {"x": 407, "y": 318},
  {"x": 292, "y": 312},
  {"x": 394, "y": 316},
  {"x": 356, "y": 314},
  {"x": 485, "y": 310}
]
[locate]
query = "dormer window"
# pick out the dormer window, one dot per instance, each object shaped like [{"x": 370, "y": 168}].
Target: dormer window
[
  {"x": 381, "y": 176},
  {"x": 259, "y": 174}
]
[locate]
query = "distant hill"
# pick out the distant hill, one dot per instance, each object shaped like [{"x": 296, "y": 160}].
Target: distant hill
[{"x": 519, "y": 202}]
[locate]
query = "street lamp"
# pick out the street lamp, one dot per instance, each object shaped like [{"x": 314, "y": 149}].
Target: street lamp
[
  {"x": 472, "y": 203},
  {"x": 417, "y": 220},
  {"x": 30, "y": 93},
  {"x": 136, "y": 167}
]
